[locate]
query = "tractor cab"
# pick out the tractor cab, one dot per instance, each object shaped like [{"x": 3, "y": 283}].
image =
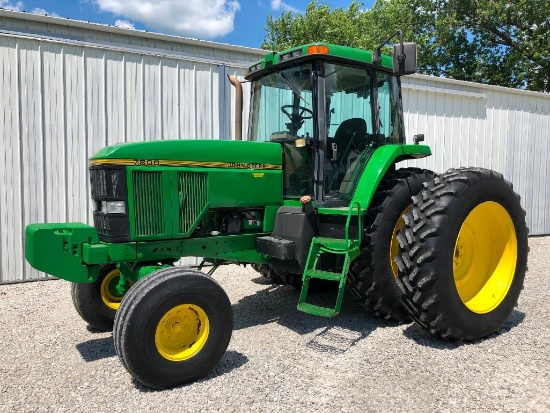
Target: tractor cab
[
  {"x": 329, "y": 107},
  {"x": 332, "y": 109}
]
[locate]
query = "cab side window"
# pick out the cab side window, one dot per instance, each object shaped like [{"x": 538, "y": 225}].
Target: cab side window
[{"x": 391, "y": 124}]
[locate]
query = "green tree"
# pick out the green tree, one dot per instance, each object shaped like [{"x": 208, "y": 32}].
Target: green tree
[
  {"x": 488, "y": 41},
  {"x": 318, "y": 23},
  {"x": 354, "y": 26}
]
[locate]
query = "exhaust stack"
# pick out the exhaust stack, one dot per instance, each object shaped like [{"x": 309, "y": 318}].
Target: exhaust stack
[{"x": 238, "y": 107}]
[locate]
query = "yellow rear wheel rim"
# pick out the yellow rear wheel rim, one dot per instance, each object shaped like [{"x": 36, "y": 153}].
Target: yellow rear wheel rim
[
  {"x": 182, "y": 332},
  {"x": 107, "y": 287},
  {"x": 394, "y": 245},
  {"x": 485, "y": 256}
]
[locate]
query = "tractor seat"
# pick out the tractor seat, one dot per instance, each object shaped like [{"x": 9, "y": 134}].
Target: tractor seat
[{"x": 346, "y": 130}]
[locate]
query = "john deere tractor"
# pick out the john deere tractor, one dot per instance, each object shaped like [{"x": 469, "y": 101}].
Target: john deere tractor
[{"x": 314, "y": 195}]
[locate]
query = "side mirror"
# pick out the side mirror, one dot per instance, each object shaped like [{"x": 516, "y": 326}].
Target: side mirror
[
  {"x": 404, "y": 58},
  {"x": 418, "y": 138}
]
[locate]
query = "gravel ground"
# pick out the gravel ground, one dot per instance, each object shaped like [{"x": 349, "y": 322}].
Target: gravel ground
[{"x": 280, "y": 359}]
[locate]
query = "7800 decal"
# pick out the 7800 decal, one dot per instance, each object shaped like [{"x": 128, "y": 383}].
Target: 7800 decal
[{"x": 146, "y": 162}]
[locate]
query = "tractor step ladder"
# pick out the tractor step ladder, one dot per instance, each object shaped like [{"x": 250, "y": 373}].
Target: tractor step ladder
[{"x": 321, "y": 245}]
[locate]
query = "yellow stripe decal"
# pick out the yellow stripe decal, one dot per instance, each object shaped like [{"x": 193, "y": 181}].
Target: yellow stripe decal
[{"x": 198, "y": 164}]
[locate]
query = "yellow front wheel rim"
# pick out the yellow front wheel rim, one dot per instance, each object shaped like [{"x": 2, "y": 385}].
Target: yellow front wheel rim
[
  {"x": 394, "y": 244},
  {"x": 182, "y": 332},
  {"x": 484, "y": 258},
  {"x": 107, "y": 289}
]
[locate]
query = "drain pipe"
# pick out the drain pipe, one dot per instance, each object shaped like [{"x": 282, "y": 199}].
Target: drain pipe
[{"x": 238, "y": 107}]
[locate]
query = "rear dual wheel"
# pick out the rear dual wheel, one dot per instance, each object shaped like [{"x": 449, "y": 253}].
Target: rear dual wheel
[
  {"x": 372, "y": 276},
  {"x": 173, "y": 327},
  {"x": 463, "y": 254}
]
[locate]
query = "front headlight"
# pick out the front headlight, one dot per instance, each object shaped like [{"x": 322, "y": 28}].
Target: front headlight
[
  {"x": 109, "y": 196},
  {"x": 113, "y": 207}
]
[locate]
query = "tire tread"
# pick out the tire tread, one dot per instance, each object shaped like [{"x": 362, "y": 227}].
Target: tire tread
[
  {"x": 420, "y": 250},
  {"x": 376, "y": 290}
]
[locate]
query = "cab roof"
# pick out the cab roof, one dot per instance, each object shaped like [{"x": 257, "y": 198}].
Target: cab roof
[{"x": 315, "y": 50}]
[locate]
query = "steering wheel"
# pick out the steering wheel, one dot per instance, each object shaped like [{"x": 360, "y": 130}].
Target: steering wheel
[{"x": 300, "y": 114}]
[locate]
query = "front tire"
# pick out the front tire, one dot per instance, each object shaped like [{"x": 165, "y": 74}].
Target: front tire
[
  {"x": 98, "y": 302},
  {"x": 463, "y": 254},
  {"x": 372, "y": 276},
  {"x": 173, "y": 327}
]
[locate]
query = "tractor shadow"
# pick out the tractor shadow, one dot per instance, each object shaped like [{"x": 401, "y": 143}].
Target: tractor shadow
[
  {"x": 231, "y": 360},
  {"x": 101, "y": 348},
  {"x": 277, "y": 304},
  {"x": 423, "y": 338},
  {"x": 97, "y": 349}
]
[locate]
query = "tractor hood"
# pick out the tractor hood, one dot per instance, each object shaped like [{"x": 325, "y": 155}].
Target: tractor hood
[{"x": 194, "y": 152}]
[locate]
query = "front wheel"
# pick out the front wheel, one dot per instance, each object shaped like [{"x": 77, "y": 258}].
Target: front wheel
[
  {"x": 463, "y": 254},
  {"x": 97, "y": 302},
  {"x": 173, "y": 327}
]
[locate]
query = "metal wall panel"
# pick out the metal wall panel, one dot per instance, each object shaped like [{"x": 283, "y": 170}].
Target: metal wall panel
[
  {"x": 11, "y": 218},
  {"x": 63, "y": 102},
  {"x": 474, "y": 125}
]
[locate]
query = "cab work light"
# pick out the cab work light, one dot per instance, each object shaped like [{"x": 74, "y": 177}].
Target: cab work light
[{"x": 317, "y": 49}]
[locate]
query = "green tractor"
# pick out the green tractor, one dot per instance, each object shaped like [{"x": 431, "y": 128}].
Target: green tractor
[{"x": 313, "y": 196}]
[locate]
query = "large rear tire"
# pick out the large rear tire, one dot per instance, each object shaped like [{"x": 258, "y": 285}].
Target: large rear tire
[
  {"x": 463, "y": 254},
  {"x": 372, "y": 276},
  {"x": 173, "y": 327},
  {"x": 98, "y": 302}
]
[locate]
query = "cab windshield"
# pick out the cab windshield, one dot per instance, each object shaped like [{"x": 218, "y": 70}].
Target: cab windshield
[
  {"x": 283, "y": 106},
  {"x": 283, "y": 113}
]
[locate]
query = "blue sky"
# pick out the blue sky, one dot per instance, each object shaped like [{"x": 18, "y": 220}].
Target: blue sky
[{"x": 239, "y": 22}]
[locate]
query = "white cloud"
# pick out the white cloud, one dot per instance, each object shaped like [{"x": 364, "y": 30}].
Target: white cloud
[
  {"x": 19, "y": 6},
  {"x": 196, "y": 18},
  {"x": 8, "y": 5},
  {"x": 279, "y": 4},
  {"x": 42, "y": 12},
  {"x": 124, "y": 24}
]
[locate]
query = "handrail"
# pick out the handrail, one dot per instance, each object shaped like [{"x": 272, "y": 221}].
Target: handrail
[{"x": 348, "y": 220}]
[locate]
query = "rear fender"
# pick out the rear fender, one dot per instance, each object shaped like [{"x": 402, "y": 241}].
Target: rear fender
[{"x": 379, "y": 163}]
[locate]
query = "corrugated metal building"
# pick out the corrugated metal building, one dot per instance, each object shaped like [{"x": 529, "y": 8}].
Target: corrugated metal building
[
  {"x": 468, "y": 124},
  {"x": 69, "y": 88}
]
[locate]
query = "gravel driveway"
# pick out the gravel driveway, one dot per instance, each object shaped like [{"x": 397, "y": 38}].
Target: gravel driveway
[{"x": 280, "y": 359}]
